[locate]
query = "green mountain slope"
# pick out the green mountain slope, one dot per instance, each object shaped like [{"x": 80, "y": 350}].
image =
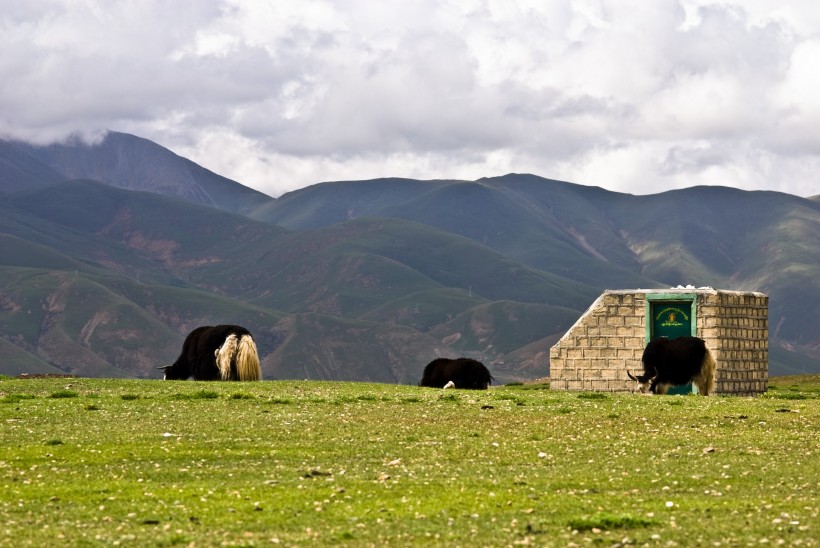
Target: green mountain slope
[
  {"x": 21, "y": 170},
  {"x": 104, "y": 256},
  {"x": 703, "y": 236},
  {"x": 362, "y": 280},
  {"x": 111, "y": 326},
  {"x": 127, "y": 162},
  {"x": 339, "y": 201}
]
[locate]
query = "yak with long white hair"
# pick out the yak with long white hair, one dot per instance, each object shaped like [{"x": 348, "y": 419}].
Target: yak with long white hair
[{"x": 220, "y": 352}]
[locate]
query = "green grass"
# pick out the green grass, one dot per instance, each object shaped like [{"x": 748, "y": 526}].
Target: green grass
[{"x": 152, "y": 463}]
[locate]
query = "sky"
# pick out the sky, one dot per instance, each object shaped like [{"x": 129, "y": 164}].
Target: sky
[{"x": 634, "y": 96}]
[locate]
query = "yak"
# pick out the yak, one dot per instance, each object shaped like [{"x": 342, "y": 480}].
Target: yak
[
  {"x": 676, "y": 362},
  {"x": 461, "y": 372},
  {"x": 218, "y": 352}
]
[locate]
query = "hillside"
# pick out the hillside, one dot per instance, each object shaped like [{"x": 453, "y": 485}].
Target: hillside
[
  {"x": 114, "y": 274},
  {"x": 124, "y": 161},
  {"x": 21, "y": 170},
  {"x": 362, "y": 280}
]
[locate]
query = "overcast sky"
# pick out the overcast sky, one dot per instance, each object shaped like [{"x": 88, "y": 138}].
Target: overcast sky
[{"x": 634, "y": 96}]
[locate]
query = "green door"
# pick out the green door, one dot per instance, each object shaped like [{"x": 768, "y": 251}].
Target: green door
[{"x": 673, "y": 319}]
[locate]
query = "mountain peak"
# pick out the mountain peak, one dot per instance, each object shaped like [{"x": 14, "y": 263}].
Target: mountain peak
[{"x": 125, "y": 161}]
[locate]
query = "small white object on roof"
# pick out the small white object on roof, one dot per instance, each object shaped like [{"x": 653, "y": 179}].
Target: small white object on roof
[{"x": 690, "y": 286}]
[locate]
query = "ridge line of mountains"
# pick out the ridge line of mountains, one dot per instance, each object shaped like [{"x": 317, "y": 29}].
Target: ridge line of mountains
[{"x": 110, "y": 253}]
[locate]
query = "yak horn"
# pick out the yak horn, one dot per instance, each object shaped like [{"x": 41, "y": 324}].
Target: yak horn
[{"x": 631, "y": 376}]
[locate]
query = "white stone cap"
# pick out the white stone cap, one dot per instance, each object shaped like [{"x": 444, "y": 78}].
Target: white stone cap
[{"x": 682, "y": 289}]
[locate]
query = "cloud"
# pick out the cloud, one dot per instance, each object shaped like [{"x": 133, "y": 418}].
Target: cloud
[{"x": 633, "y": 96}]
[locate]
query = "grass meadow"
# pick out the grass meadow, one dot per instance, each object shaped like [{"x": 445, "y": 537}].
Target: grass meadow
[{"x": 87, "y": 462}]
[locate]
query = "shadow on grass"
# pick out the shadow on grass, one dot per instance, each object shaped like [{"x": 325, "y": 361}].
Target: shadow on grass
[{"x": 609, "y": 521}]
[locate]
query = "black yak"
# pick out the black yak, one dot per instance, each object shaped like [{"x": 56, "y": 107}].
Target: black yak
[
  {"x": 220, "y": 352},
  {"x": 461, "y": 372},
  {"x": 676, "y": 362}
]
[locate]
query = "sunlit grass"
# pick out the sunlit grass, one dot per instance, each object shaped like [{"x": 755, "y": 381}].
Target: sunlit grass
[{"x": 179, "y": 463}]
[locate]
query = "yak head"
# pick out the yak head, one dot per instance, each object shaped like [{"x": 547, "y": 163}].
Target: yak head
[
  {"x": 644, "y": 381},
  {"x": 172, "y": 373}
]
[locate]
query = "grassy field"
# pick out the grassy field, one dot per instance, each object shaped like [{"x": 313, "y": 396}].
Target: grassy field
[{"x": 151, "y": 463}]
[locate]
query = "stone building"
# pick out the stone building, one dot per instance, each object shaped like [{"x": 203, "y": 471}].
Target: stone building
[{"x": 609, "y": 338}]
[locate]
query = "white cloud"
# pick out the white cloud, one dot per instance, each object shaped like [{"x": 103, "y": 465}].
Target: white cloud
[{"x": 630, "y": 95}]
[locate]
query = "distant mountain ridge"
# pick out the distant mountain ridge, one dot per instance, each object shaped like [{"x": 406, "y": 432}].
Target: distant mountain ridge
[
  {"x": 110, "y": 254},
  {"x": 132, "y": 163}
]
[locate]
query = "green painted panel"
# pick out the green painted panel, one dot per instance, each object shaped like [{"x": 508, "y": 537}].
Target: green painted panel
[{"x": 671, "y": 319}]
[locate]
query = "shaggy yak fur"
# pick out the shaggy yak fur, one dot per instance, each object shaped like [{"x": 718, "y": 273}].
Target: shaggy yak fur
[
  {"x": 676, "y": 362},
  {"x": 220, "y": 352},
  {"x": 462, "y": 372}
]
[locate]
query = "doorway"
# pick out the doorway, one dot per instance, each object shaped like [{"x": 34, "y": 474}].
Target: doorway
[{"x": 672, "y": 316}]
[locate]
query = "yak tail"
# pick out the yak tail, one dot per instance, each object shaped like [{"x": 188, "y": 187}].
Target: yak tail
[
  {"x": 705, "y": 380},
  {"x": 225, "y": 355},
  {"x": 237, "y": 359},
  {"x": 247, "y": 360}
]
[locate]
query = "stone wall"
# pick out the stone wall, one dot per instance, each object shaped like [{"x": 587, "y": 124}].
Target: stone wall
[
  {"x": 735, "y": 327},
  {"x": 609, "y": 338}
]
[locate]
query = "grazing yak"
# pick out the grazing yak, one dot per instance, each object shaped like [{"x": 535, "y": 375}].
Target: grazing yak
[
  {"x": 676, "y": 362},
  {"x": 461, "y": 372},
  {"x": 219, "y": 352}
]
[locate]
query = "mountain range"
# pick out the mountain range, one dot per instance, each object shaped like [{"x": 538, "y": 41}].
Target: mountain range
[{"x": 111, "y": 252}]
